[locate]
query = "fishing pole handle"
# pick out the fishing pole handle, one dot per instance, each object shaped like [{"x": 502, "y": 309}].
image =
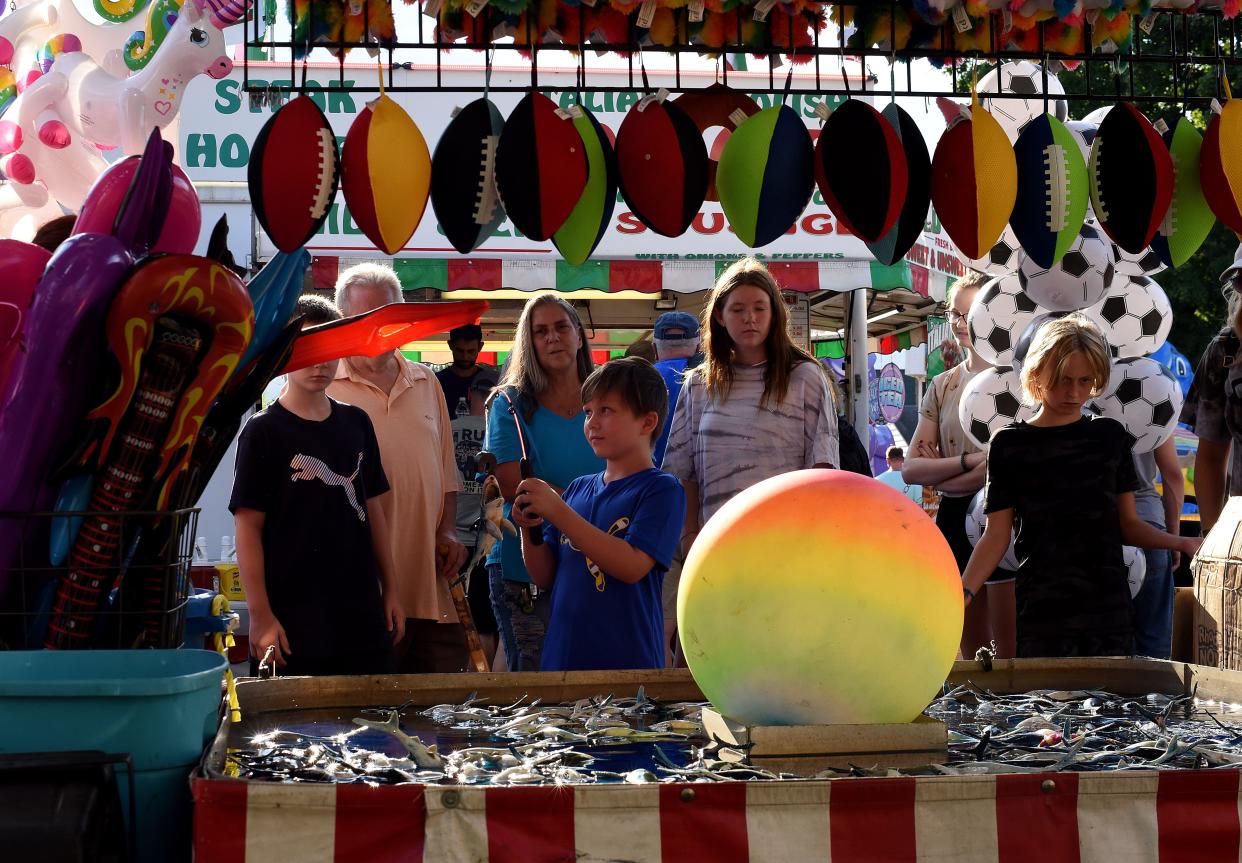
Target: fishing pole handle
[{"x": 534, "y": 535}]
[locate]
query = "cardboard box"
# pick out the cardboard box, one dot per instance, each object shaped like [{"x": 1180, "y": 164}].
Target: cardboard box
[
  {"x": 1184, "y": 605},
  {"x": 1217, "y": 568}
]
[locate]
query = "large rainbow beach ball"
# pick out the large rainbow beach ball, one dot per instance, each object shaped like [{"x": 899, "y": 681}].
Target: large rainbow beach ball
[{"x": 820, "y": 597}]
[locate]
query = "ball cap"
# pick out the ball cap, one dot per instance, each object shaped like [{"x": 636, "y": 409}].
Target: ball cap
[
  {"x": 485, "y": 380},
  {"x": 676, "y": 325},
  {"x": 1235, "y": 269}
]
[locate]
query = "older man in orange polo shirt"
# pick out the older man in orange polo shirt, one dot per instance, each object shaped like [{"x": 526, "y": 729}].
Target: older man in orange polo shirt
[{"x": 406, "y": 406}]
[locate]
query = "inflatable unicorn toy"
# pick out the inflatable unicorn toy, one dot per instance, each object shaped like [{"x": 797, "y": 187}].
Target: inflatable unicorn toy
[{"x": 59, "y": 122}]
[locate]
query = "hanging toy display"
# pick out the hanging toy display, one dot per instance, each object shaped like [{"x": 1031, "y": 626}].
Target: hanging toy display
[
  {"x": 662, "y": 165},
  {"x": 1052, "y": 197},
  {"x": 860, "y": 167},
  {"x": 1131, "y": 175},
  {"x": 892, "y": 247},
  {"x": 974, "y": 178},
  {"x": 1189, "y": 219},
  {"x": 463, "y": 176},
  {"x": 541, "y": 166},
  {"x": 766, "y": 175},
  {"x": 1220, "y": 170},
  {"x": 591, "y": 216},
  {"x": 385, "y": 174},
  {"x": 293, "y": 173}
]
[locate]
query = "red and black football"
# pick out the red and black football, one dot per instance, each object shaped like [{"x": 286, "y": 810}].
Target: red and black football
[
  {"x": 541, "y": 167},
  {"x": 861, "y": 170},
  {"x": 1131, "y": 178},
  {"x": 293, "y": 174},
  {"x": 663, "y": 166}
]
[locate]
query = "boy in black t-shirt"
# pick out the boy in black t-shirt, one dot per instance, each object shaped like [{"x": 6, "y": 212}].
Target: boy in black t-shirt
[
  {"x": 312, "y": 539},
  {"x": 1066, "y": 481}
]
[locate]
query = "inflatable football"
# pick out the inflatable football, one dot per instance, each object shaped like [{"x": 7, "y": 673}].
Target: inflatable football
[
  {"x": 661, "y": 166},
  {"x": 584, "y": 228},
  {"x": 1052, "y": 190},
  {"x": 860, "y": 167},
  {"x": 541, "y": 168},
  {"x": 1219, "y": 171},
  {"x": 293, "y": 173},
  {"x": 892, "y": 247},
  {"x": 974, "y": 181},
  {"x": 766, "y": 175},
  {"x": 1131, "y": 177},
  {"x": 386, "y": 174},
  {"x": 1189, "y": 219},
  {"x": 714, "y": 106},
  {"x": 463, "y": 176}
]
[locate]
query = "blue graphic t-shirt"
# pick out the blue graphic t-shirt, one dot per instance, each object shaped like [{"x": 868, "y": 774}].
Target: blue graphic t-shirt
[
  {"x": 599, "y": 622},
  {"x": 673, "y": 372},
  {"x": 559, "y": 453}
]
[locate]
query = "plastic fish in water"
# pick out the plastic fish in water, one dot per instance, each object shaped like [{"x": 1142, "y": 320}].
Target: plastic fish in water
[{"x": 424, "y": 756}]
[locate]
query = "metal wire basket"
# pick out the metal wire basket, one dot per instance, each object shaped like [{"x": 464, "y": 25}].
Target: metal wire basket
[{"x": 123, "y": 584}]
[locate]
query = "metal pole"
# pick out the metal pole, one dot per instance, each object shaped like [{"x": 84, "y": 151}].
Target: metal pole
[{"x": 858, "y": 365}]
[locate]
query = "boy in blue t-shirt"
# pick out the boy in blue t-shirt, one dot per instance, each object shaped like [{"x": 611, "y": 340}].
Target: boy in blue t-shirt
[{"x": 610, "y": 539}]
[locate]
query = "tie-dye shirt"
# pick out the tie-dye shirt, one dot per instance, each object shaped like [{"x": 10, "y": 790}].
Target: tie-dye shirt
[{"x": 729, "y": 446}]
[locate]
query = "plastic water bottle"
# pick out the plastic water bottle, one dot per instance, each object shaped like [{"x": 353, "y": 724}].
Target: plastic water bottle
[
  {"x": 462, "y": 409},
  {"x": 200, "y": 549},
  {"x": 228, "y": 551}
]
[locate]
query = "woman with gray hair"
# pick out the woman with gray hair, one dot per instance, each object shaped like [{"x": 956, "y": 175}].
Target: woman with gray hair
[{"x": 536, "y": 414}]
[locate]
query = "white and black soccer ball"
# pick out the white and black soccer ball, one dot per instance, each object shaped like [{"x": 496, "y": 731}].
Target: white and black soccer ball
[
  {"x": 1000, "y": 312},
  {"x": 1136, "y": 568},
  {"x": 976, "y": 521},
  {"x": 1134, "y": 315},
  {"x": 1022, "y": 78},
  {"x": 1002, "y": 259},
  {"x": 991, "y": 400},
  {"x": 1144, "y": 397},
  {"x": 1078, "y": 280},
  {"x": 1145, "y": 263}
]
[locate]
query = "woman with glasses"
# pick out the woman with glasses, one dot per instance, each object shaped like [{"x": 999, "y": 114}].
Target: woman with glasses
[
  {"x": 1213, "y": 408},
  {"x": 941, "y": 456}
]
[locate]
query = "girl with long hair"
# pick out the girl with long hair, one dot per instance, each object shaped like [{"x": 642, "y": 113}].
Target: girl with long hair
[
  {"x": 538, "y": 402},
  {"x": 756, "y": 407}
]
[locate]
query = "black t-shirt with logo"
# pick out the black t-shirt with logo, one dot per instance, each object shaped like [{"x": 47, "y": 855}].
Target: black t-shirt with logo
[
  {"x": 455, "y": 387},
  {"x": 312, "y": 480},
  {"x": 1062, "y": 483}
]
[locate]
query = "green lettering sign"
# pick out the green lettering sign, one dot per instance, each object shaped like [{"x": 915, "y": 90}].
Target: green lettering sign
[
  {"x": 200, "y": 151},
  {"x": 340, "y": 101},
  {"x": 234, "y": 151},
  {"x": 228, "y": 96}
]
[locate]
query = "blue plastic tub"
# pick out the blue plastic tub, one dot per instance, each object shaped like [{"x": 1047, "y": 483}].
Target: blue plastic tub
[{"x": 161, "y": 706}]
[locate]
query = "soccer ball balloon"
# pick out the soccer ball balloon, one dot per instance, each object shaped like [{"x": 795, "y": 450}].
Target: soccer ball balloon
[
  {"x": 1076, "y": 281},
  {"x": 998, "y": 315},
  {"x": 1026, "y": 79},
  {"x": 1003, "y": 258},
  {"x": 1145, "y": 263},
  {"x": 991, "y": 401},
  {"x": 1144, "y": 397},
  {"x": 976, "y": 521},
  {"x": 1134, "y": 315}
]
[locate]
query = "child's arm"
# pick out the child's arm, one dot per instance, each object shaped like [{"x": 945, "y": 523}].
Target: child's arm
[
  {"x": 265, "y": 629},
  {"x": 1135, "y": 531},
  {"x": 612, "y": 554},
  {"x": 540, "y": 560},
  {"x": 377, "y": 514},
  {"x": 988, "y": 553}
]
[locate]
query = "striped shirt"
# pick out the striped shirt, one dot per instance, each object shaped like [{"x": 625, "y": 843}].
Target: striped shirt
[{"x": 727, "y": 447}]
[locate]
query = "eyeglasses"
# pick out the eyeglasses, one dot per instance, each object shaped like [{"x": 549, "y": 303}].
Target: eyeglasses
[{"x": 955, "y": 316}]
